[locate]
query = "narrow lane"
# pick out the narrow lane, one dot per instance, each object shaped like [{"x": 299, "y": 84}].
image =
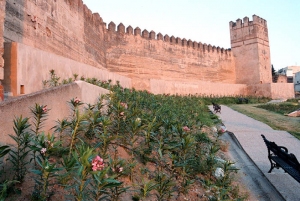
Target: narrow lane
[{"x": 247, "y": 132}]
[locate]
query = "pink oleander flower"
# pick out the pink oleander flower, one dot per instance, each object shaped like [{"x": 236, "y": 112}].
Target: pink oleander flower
[
  {"x": 45, "y": 109},
  {"x": 43, "y": 151},
  {"x": 77, "y": 100},
  {"x": 186, "y": 129},
  {"x": 124, "y": 105},
  {"x": 97, "y": 164}
]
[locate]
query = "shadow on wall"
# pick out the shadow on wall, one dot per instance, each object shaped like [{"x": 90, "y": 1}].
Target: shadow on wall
[{"x": 56, "y": 100}]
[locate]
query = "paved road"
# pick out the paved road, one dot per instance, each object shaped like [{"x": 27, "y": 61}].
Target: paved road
[{"x": 247, "y": 133}]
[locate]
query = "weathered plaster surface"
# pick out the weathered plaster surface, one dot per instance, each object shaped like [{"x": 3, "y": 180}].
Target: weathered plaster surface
[
  {"x": 30, "y": 66},
  {"x": 66, "y": 28},
  {"x": 197, "y": 87},
  {"x": 56, "y": 99}
]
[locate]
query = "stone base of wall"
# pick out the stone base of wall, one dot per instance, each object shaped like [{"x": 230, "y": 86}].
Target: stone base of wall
[
  {"x": 272, "y": 90},
  {"x": 197, "y": 88},
  {"x": 56, "y": 99}
]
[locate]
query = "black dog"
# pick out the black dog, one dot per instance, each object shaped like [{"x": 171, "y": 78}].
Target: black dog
[{"x": 217, "y": 108}]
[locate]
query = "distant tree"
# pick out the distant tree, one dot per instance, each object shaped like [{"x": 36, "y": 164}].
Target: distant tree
[
  {"x": 273, "y": 71},
  {"x": 274, "y": 74}
]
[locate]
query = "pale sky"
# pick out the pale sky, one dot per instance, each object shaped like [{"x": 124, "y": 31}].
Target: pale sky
[{"x": 207, "y": 21}]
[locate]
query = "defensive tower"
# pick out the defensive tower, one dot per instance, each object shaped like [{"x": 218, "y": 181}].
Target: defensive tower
[{"x": 250, "y": 48}]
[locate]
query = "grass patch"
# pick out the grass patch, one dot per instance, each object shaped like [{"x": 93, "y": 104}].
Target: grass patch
[
  {"x": 275, "y": 120},
  {"x": 281, "y": 108}
]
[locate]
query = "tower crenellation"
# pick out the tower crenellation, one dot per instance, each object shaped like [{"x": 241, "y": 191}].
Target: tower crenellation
[{"x": 250, "y": 47}]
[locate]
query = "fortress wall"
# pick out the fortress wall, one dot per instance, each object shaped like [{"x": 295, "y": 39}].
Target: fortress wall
[
  {"x": 66, "y": 28},
  {"x": 69, "y": 29},
  {"x": 144, "y": 56},
  {"x": 27, "y": 67},
  {"x": 197, "y": 87},
  {"x": 56, "y": 99},
  {"x": 282, "y": 90},
  {"x": 2, "y": 14}
]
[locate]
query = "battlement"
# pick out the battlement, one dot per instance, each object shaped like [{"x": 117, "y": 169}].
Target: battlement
[
  {"x": 120, "y": 29},
  {"x": 256, "y": 20}
]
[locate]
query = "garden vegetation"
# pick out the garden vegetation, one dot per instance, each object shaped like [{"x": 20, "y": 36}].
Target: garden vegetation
[{"x": 130, "y": 145}]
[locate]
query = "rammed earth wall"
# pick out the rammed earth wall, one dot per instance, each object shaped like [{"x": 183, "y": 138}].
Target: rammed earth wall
[
  {"x": 64, "y": 27},
  {"x": 142, "y": 57},
  {"x": 68, "y": 29}
]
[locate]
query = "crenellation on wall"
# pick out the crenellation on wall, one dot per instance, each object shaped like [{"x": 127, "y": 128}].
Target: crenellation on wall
[
  {"x": 111, "y": 27},
  {"x": 129, "y": 30},
  {"x": 145, "y": 34},
  {"x": 209, "y": 48},
  {"x": 167, "y": 38},
  {"x": 258, "y": 20},
  {"x": 238, "y": 23},
  {"x": 178, "y": 41},
  {"x": 121, "y": 29},
  {"x": 137, "y": 31},
  {"x": 97, "y": 20},
  {"x": 246, "y": 21},
  {"x": 195, "y": 45},
  {"x": 88, "y": 14},
  {"x": 205, "y": 48},
  {"x": 184, "y": 42},
  {"x": 200, "y": 46},
  {"x": 172, "y": 40},
  {"x": 160, "y": 36},
  {"x": 152, "y": 35},
  {"x": 214, "y": 48}
]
